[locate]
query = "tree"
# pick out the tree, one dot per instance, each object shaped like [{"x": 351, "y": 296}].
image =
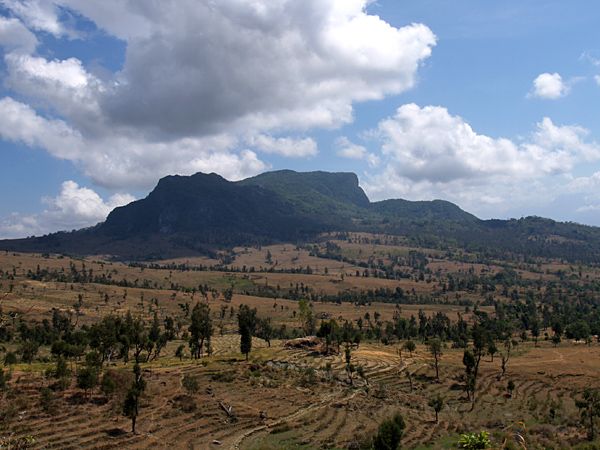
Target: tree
[
  {"x": 437, "y": 403},
  {"x": 201, "y": 329},
  {"x": 4, "y": 377},
  {"x": 330, "y": 331},
  {"x": 28, "y": 350},
  {"x": 10, "y": 359},
  {"x": 410, "y": 346},
  {"x": 87, "y": 378},
  {"x": 247, "y": 328},
  {"x": 349, "y": 365},
  {"x": 389, "y": 434},
  {"x": 492, "y": 349},
  {"x": 108, "y": 385},
  {"x": 469, "y": 363},
  {"x": 510, "y": 387},
  {"x": 579, "y": 330},
  {"x": 179, "y": 353},
  {"x": 131, "y": 404},
  {"x": 307, "y": 317},
  {"x": 505, "y": 355},
  {"x": 265, "y": 330},
  {"x": 535, "y": 332},
  {"x": 589, "y": 410},
  {"x": 435, "y": 348}
]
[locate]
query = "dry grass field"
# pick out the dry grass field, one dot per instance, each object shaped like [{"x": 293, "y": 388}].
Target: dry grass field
[{"x": 283, "y": 398}]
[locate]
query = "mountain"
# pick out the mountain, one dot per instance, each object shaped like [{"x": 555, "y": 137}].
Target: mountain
[{"x": 188, "y": 215}]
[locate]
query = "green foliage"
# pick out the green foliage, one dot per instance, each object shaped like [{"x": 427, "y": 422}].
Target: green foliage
[
  {"x": 389, "y": 434},
  {"x": 47, "y": 400},
  {"x": 87, "y": 378},
  {"x": 246, "y": 326},
  {"x": 190, "y": 384},
  {"x": 10, "y": 359},
  {"x": 437, "y": 403},
  {"x": 4, "y": 377},
  {"x": 201, "y": 329},
  {"x": 108, "y": 385},
  {"x": 180, "y": 352},
  {"x": 132, "y": 399},
  {"x": 28, "y": 351},
  {"x": 409, "y": 346},
  {"x": 474, "y": 441},
  {"x": 589, "y": 410}
]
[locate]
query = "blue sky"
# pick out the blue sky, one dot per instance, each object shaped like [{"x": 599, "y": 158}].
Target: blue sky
[{"x": 491, "y": 105}]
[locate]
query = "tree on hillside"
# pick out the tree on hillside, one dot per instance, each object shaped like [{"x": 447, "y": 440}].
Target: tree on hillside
[
  {"x": 505, "y": 355},
  {"x": 131, "y": 404},
  {"x": 307, "y": 317},
  {"x": 247, "y": 327},
  {"x": 435, "y": 348},
  {"x": 389, "y": 434},
  {"x": 264, "y": 329},
  {"x": 469, "y": 363},
  {"x": 330, "y": 331},
  {"x": 437, "y": 403},
  {"x": 492, "y": 349},
  {"x": 410, "y": 346},
  {"x": 201, "y": 329},
  {"x": 589, "y": 410}
]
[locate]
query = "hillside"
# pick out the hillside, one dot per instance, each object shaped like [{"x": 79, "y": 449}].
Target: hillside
[{"x": 188, "y": 215}]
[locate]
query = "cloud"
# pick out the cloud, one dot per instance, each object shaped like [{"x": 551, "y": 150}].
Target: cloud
[
  {"x": 597, "y": 78},
  {"x": 199, "y": 78},
  {"x": 40, "y": 15},
  {"x": 429, "y": 153},
  {"x": 74, "y": 207},
  {"x": 125, "y": 160},
  {"x": 293, "y": 148},
  {"x": 350, "y": 150},
  {"x": 15, "y": 37},
  {"x": 549, "y": 86}
]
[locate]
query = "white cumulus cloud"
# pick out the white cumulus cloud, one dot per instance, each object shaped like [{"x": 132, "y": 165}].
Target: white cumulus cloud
[
  {"x": 286, "y": 146},
  {"x": 549, "y": 86},
  {"x": 429, "y": 153},
  {"x": 40, "y": 15},
  {"x": 348, "y": 149},
  {"x": 15, "y": 37},
  {"x": 74, "y": 207},
  {"x": 199, "y": 77}
]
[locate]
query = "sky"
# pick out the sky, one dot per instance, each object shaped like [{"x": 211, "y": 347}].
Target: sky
[{"x": 490, "y": 105}]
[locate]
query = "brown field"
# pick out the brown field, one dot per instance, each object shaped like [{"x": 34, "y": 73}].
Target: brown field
[{"x": 277, "y": 401}]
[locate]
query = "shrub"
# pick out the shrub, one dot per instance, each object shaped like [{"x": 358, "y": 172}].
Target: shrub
[
  {"x": 108, "y": 384},
  {"x": 10, "y": 358},
  {"x": 389, "y": 434},
  {"x": 474, "y": 441},
  {"x": 190, "y": 384}
]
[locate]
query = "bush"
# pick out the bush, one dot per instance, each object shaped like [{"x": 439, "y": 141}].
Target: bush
[
  {"x": 474, "y": 441},
  {"x": 108, "y": 384},
  {"x": 47, "y": 400},
  {"x": 10, "y": 359},
  {"x": 4, "y": 377},
  {"x": 389, "y": 434},
  {"x": 223, "y": 377},
  {"x": 87, "y": 378},
  {"x": 190, "y": 384}
]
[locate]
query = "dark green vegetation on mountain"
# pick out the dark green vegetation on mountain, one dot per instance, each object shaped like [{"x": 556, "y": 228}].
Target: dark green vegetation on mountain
[{"x": 197, "y": 214}]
